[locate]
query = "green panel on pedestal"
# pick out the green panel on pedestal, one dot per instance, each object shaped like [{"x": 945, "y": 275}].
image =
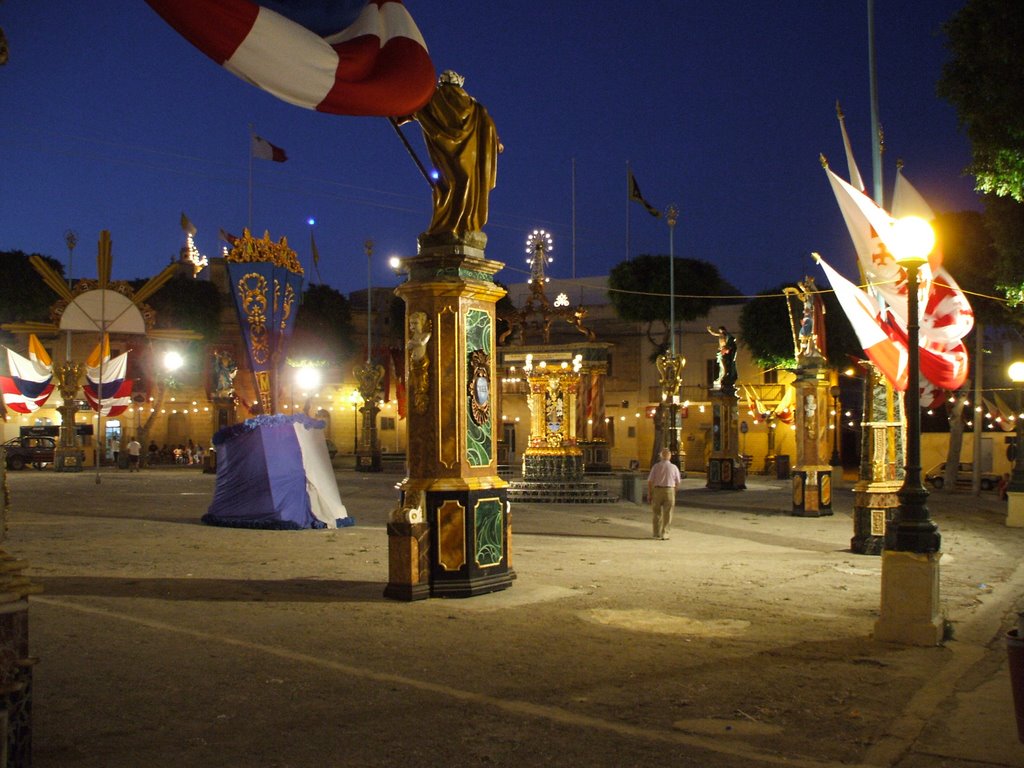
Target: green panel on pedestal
[
  {"x": 478, "y": 436},
  {"x": 490, "y": 533}
]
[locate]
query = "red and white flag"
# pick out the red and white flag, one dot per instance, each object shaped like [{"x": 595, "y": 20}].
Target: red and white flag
[
  {"x": 864, "y": 315},
  {"x": 347, "y": 57},
  {"x": 264, "y": 150}
]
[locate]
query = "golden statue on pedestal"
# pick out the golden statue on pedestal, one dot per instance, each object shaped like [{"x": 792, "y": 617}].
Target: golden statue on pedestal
[{"x": 463, "y": 145}]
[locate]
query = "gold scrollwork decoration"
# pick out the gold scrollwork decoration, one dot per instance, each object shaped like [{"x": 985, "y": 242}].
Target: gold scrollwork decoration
[
  {"x": 249, "y": 249},
  {"x": 252, "y": 290},
  {"x": 479, "y": 386}
]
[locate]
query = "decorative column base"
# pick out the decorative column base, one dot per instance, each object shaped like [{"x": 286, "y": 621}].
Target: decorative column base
[
  {"x": 68, "y": 459},
  {"x": 726, "y": 469},
  {"x": 910, "y": 599},
  {"x": 726, "y": 473},
  {"x": 469, "y": 542},
  {"x": 812, "y": 491},
  {"x": 408, "y": 561},
  {"x": 876, "y": 508},
  {"x": 1015, "y": 509}
]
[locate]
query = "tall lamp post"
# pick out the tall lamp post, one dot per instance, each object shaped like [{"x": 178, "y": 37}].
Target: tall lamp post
[
  {"x": 834, "y": 391},
  {"x": 910, "y": 563},
  {"x": 670, "y": 365},
  {"x": 913, "y": 241},
  {"x": 1015, "y": 490}
]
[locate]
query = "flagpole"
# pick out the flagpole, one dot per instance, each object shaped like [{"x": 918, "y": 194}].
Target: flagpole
[
  {"x": 411, "y": 151},
  {"x": 250, "y": 176},
  {"x": 627, "y": 210},
  {"x": 876, "y": 131},
  {"x": 574, "y": 218}
]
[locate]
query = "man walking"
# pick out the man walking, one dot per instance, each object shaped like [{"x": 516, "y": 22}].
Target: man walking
[
  {"x": 661, "y": 490},
  {"x": 134, "y": 451}
]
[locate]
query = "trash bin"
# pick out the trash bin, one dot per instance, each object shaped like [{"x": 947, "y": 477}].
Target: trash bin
[
  {"x": 633, "y": 487},
  {"x": 782, "y": 466},
  {"x": 122, "y": 460}
]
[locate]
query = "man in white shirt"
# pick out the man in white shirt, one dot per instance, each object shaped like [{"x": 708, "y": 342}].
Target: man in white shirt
[
  {"x": 662, "y": 482},
  {"x": 134, "y": 451}
]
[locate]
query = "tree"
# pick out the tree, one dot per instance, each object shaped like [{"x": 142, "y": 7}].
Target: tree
[
  {"x": 23, "y": 294},
  {"x": 982, "y": 81},
  {"x": 184, "y": 302},
  {"x": 970, "y": 255},
  {"x": 638, "y": 289},
  {"x": 766, "y": 330},
  {"x": 323, "y": 326}
]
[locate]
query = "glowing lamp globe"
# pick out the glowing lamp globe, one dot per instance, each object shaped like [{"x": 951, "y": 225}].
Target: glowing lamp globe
[{"x": 911, "y": 240}]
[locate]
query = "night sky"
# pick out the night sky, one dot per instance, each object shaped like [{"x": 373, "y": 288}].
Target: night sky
[{"x": 113, "y": 121}]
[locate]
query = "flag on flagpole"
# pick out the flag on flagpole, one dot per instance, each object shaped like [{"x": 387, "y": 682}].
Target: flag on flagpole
[
  {"x": 116, "y": 387},
  {"x": 634, "y": 194},
  {"x": 347, "y": 57},
  {"x": 264, "y": 150},
  {"x": 891, "y": 358},
  {"x": 312, "y": 247},
  {"x": 187, "y": 226},
  {"x": 31, "y": 379},
  {"x": 851, "y": 164}
]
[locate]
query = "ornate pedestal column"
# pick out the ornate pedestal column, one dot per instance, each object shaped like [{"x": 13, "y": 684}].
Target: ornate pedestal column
[
  {"x": 812, "y": 475},
  {"x": 69, "y": 456},
  {"x": 876, "y": 504},
  {"x": 369, "y": 378},
  {"x": 451, "y": 536},
  {"x": 726, "y": 471}
]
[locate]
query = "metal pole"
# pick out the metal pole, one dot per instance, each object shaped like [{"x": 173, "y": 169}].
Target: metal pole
[
  {"x": 876, "y": 128},
  {"x": 368, "y": 245},
  {"x": 915, "y": 532},
  {"x": 834, "y": 391}
]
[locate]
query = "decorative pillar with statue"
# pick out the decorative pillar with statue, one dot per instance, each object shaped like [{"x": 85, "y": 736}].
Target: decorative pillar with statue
[
  {"x": 451, "y": 534},
  {"x": 812, "y": 474},
  {"x": 726, "y": 470}
]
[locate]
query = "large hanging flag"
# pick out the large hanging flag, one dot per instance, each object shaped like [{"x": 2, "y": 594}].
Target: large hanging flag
[
  {"x": 115, "y": 394},
  {"x": 864, "y": 315},
  {"x": 634, "y": 195},
  {"x": 347, "y": 57},
  {"x": 945, "y": 316},
  {"x": 31, "y": 379},
  {"x": 266, "y": 282}
]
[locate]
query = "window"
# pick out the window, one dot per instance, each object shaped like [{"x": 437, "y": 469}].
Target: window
[
  {"x": 771, "y": 376},
  {"x": 387, "y": 423}
]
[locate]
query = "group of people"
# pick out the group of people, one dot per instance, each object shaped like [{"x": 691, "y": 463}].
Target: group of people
[
  {"x": 188, "y": 454},
  {"x": 133, "y": 450}
]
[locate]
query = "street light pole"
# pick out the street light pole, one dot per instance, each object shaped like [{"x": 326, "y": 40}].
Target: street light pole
[
  {"x": 915, "y": 532},
  {"x": 834, "y": 391},
  {"x": 910, "y": 564}
]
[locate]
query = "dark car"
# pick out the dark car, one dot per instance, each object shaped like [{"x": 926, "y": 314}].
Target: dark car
[
  {"x": 936, "y": 476},
  {"x": 36, "y": 451}
]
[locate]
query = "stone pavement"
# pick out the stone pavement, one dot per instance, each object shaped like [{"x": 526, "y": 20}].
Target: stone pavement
[{"x": 744, "y": 640}]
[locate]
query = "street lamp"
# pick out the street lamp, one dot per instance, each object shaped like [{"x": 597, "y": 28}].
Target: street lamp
[
  {"x": 354, "y": 400},
  {"x": 834, "y": 391},
  {"x": 1016, "y": 372},
  {"x": 912, "y": 240}
]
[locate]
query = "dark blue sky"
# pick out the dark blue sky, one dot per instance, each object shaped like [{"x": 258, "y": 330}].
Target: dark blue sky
[{"x": 113, "y": 121}]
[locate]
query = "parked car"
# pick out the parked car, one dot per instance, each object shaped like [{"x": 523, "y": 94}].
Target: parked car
[
  {"x": 36, "y": 451},
  {"x": 936, "y": 476}
]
